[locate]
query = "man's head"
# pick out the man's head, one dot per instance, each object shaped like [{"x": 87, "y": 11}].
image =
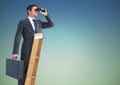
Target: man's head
[{"x": 31, "y": 10}]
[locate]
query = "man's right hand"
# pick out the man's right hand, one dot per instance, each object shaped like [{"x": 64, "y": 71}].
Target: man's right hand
[{"x": 15, "y": 56}]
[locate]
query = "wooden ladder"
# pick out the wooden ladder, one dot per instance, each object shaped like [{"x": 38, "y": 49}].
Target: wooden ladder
[{"x": 34, "y": 59}]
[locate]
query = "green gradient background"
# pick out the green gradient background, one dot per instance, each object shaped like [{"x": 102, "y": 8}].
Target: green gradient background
[{"x": 82, "y": 49}]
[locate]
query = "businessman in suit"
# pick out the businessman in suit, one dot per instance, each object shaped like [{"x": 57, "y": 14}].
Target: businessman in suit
[{"x": 27, "y": 28}]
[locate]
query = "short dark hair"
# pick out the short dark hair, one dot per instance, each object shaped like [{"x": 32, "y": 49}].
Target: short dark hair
[{"x": 30, "y": 7}]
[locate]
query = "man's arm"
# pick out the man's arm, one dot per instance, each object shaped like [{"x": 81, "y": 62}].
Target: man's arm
[
  {"x": 17, "y": 40},
  {"x": 49, "y": 22}
]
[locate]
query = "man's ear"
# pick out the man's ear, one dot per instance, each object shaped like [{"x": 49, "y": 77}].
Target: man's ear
[{"x": 29, "y": 11}]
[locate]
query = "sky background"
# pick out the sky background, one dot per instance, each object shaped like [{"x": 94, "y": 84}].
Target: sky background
[{"x": 83, "y": 48}]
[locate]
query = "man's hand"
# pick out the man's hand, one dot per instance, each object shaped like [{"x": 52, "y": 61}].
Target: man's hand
[
  {"x": 44, "y": 13},
  {"x": 15, "y": 56}
]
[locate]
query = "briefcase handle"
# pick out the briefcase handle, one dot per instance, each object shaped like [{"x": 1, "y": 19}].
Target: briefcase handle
[{"x": 14, "y": 58}]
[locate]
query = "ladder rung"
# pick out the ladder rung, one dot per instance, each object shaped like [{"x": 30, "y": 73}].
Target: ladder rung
[
  {"x": 33, "y": 77},
  {"x": 36, "y": 57}
]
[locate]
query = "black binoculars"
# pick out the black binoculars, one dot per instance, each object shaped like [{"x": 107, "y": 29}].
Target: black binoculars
[{"x": 40, "y": 9}]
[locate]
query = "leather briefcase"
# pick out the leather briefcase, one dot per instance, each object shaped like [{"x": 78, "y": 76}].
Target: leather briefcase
[{"x": 15, "y": 68}]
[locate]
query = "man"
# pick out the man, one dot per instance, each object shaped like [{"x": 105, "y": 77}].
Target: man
[{"x": 27, "y": 28}]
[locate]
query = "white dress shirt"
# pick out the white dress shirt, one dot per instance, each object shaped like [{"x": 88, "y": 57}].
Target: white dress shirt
[{"x": 32, "y": 22}]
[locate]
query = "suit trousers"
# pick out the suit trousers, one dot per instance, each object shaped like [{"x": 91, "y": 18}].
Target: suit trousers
[{"x": 26, "y": 63}]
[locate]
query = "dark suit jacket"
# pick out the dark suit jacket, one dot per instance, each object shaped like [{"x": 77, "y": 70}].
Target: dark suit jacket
[{"x": 25, "y": 29}]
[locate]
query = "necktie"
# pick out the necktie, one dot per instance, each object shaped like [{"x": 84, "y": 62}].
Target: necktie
[{"x": 35, "y": 25}]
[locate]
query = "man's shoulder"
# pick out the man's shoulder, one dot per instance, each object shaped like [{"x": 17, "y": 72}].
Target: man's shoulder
[
  {"x": 38, "y": 20},
  {"x": 23, "y": 20}
]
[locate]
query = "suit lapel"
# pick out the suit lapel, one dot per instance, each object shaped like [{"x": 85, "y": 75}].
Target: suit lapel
[{"x": 29, "y": 24}]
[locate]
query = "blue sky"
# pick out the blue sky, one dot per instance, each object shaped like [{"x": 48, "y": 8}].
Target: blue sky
[{"x": 83, "y": 48}]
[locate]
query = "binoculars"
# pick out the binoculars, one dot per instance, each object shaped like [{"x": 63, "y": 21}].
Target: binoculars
[{"x": 40, "y": 9}]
